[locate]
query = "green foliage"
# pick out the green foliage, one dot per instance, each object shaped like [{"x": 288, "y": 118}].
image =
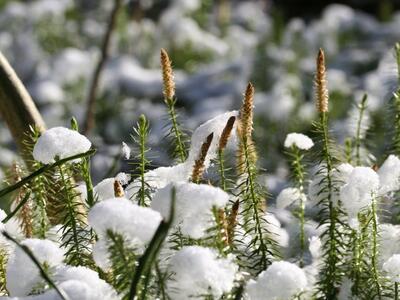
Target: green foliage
[
  {"x": 123, "y": 261},
  {"x": 141, "y": 161},
  {"x": 141, "y": 278},
  {"x": 76, "y": 236},
  {"x": 3, "y": 263},
  {"x": 177, "y": 136},
  {"x": 334, "y": 246},
  {"x": 299, "y": 174},
  {"x": 41, "y": 268},
  {"x": 262, "y": 249}
]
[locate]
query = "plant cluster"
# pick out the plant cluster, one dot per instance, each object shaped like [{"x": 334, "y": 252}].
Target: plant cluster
[{"x": 206, "y": 227}]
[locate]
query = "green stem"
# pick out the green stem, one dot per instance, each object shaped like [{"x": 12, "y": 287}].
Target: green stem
[
  {"x": 302, "y": 232},
  {"x": 332, "y": 259},
  {"x": 161, "y": 283},
  {"x": 299, "y": 175},
  {"x": 43, "y": 273},
  {"x": 356, "y": 263},
  {"x": 362, "y": 108},
  {"x": 397, "y": 50},
  {"x": 221, "y": 169},
  {"x": 178, "y": 134},
  {"x": 71, "y": 212},
  {"x": 142, "y": 137},
  {"x": 88, "y": 182},
  {"x": 149, "y": 256},
  {"x": 396, "y": 291},
  {"x": 42, "y": 170},
  {"x": 374, "y": 258},
  {"x": 219, "y": 237},
  {"x": 255, "y": 204},
  {"x": 348, "y": 149}
]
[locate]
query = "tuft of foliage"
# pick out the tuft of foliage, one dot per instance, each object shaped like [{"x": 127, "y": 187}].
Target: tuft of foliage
[
  {"x": 334, "y": 245},
  {"x": 175, "y": 132},
  {"x": 262, "y": 248},
  {"x": 141, "y": 164},
  {"x": 123, "y": 261},
  {"x": 299, "y": 174}
]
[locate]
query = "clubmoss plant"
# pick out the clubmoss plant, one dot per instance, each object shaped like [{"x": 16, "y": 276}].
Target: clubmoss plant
[
  {"x": 205, "y": 231},
  {"x": 141, "y": 133},
  {"x": 198, "y": 168},
  {"x": 299, "y": 176},
  {"x": 262, "y": 248},
  {"x": 331, "y": 273},
  {"x": 170, "y": 100}
]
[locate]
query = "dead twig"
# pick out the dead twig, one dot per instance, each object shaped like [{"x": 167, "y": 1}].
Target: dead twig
[{"x": 89, "y": 122}]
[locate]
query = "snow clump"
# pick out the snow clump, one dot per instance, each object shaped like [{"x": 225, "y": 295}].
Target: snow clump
[
  {"x": 193, "y": 208},
  {"x": 59, "y": 142},
  {"x": 282, "y": 280},
  {"x": 198, "y": 271},
  {"x": 299, "y": 140}
]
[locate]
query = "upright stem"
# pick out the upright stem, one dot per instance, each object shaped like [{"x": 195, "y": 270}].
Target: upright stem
[
  {"x": 221, "y": 169},
  {"x": 105, "y": 49},
  {"x": 396, "y": 291},
  {"x": 88, "y": 181},
  {"x": 180, "y": 148},
  {"x": 299, "y": 177},
  {"x": 255, "y": 203},
  {"x": 362, "y": 108},
  {"x": 332, "y": 260},
  {"x": 374, "y": 258},
  {"x": 302, "y": 232},
  {"x": 71, "y": 211},
  {"x": 142, "y": 200}
]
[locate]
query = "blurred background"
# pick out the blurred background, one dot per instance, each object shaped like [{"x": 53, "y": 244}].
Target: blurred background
[{"x": 216, "y": 48}]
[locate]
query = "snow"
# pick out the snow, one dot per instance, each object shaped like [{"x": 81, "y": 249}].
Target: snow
[
  {"x": 299, "y": 140},
  {"x": 126, "y": 151},
  {"x": 288, "y": 196},
  {"x": 59, "y": 142},
  {"x": 194, "y": 203},
  {"x": 22, "y": 274},
  {"x": 315, "y": 247},
  {"x": 98, "y": 287},
  {"x": 105, "y": 189},
  {"x": 120, "y": 215},
  {"x": 198, "y": 271},
  {"x": 392, "y": 267},
  {"x": 389, "y": 175},
  {"x": 358, "y": 192},
  {"x": 162, "y": 176},
  {"x": 135, "y": 224},
  {"x": 282, "y": 280}
]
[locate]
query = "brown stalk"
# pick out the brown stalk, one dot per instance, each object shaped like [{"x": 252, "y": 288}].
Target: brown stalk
[
  {"x": 118, "y": 189},
  {"x": 245, "y": 129},
  {"x": 198, "y": 168},
  {"x": 232, "y": 221},
  {"x": 168, "y": 77},
  {"x": 321, "y": 90},
  {"x": 93, "y": 88},
  {"x": 226, "y": 133},
  {"x": 246, "y": 112}
]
